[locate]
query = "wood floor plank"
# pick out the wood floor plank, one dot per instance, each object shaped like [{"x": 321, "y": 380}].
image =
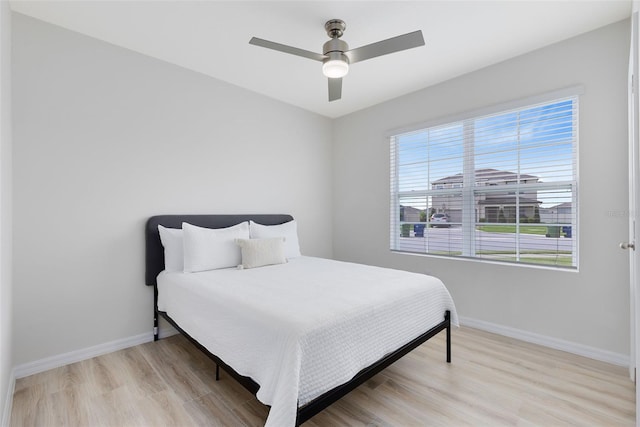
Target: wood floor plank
[
  {"x": 178, "y": 375},
  {"x": 32, "y": 406},
  {"x": 210, "y": 410},
  {"x": 493, "y": 380}
]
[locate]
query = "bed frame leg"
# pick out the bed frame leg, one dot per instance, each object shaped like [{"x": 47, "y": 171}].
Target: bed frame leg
[
  {"x": 155, "y": 313},
  {"x": 217, "y": 372},
  {"x": 447, "y": 317}
]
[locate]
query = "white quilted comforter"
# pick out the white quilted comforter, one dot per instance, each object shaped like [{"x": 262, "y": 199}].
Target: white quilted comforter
[{"x": 302, "y": 328}]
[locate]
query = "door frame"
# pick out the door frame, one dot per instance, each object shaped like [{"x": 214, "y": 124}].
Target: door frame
[{"x": 634, "y": 197}]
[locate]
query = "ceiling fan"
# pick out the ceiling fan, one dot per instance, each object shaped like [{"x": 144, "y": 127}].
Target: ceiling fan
[{"x": 336, "y": 55}]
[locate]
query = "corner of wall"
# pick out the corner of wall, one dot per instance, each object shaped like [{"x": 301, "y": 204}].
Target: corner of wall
[{"x": 7, "y": 374}]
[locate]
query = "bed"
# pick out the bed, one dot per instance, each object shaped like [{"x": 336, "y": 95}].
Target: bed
[{"x": 299, "y": 334}]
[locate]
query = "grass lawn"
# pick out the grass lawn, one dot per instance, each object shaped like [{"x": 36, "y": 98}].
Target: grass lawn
[
  {"x": 563, "y": 261},
  {"x": 511, "y": 228},
  {"x": 559, "y": 258}
]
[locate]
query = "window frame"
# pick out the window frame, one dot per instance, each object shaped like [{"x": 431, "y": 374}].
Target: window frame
[{"x": 468, "y": 192}]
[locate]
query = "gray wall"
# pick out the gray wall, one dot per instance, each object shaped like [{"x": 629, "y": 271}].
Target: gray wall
[
  {"x": 6, "y": 328},
  {"x": 104, "y": 138},
  {"x": 590, "y": 307}
]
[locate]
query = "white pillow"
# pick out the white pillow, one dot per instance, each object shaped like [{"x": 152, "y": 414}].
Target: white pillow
[
  {"x": 212, "y": 248},
  {"x": 261, "y": 252},
  {"x": 171, "y": 239},
  {"x": 288, "y": 230}
]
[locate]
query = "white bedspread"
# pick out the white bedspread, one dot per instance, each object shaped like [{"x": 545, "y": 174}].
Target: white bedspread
[{"x": 302, "y": 328}]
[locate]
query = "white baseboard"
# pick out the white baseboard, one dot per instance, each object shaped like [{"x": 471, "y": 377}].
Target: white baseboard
[
  {"x": 8, "y": 401},
  {"x": 52, "y": 362},
  {"x": 57, "y": 361},
  {"x": 555, "y": 343}
]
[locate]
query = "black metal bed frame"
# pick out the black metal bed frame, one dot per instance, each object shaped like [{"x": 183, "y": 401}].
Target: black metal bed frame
[{"x": 304, "y": 413}]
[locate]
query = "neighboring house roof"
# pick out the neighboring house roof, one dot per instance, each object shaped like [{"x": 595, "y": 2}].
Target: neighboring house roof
[
  {"x": 486, "y": 175},
  {"x": 562, "y": 206}
]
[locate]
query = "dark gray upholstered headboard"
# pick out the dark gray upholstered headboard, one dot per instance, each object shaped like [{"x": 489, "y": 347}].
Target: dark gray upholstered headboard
[{"x": 154, "y": 258}]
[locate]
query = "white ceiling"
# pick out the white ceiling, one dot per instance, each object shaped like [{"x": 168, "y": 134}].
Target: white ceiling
[{"x": 212, "y": 37}]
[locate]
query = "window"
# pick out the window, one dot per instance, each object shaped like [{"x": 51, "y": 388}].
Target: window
[{"x": 507, "y": 182}]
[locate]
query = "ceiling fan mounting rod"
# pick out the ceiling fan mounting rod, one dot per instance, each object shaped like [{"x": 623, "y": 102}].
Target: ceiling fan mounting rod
[{"x": 335, "y": 28}]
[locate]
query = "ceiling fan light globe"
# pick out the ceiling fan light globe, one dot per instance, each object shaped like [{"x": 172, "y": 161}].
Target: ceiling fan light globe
[{"x": 335, "y": 68}]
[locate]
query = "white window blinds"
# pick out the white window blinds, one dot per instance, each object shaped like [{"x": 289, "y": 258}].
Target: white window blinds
[{"x": 500, "y": 186}]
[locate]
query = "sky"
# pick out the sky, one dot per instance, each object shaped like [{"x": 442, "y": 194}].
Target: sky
[{"x": 538, "y": 140}]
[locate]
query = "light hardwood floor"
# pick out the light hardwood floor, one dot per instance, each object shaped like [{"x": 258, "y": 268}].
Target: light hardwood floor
[{"x": 492, "y": 381}]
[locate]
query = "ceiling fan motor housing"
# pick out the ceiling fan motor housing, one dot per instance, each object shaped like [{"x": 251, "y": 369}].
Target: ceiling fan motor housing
[{"x": 335, "y": 45}]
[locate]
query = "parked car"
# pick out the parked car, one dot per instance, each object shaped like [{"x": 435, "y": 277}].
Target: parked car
[{"x": 440, "y": 220}]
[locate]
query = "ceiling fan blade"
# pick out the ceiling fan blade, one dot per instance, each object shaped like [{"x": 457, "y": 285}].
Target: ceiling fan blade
[
  {"x": 394, "y": 44},
  {"x": 286, "y": 49},
  {"x": 335, "y": 89}
]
